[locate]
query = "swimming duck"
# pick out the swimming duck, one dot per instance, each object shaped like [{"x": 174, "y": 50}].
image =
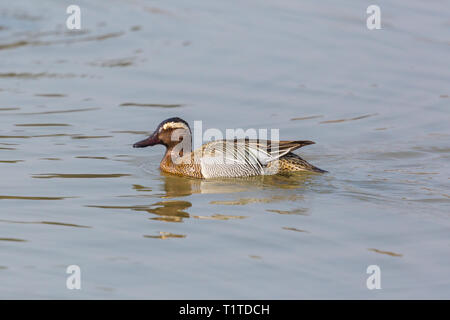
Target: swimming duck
[{"x": 224, "y": 158}]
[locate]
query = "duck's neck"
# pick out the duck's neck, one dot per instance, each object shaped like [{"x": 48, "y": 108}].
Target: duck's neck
[
  {"x": 175, "y": 155},
  {"x": 166, "y": 161},
  {"x": 181, "y": 148},
  {"x": 185, "y": 166}
]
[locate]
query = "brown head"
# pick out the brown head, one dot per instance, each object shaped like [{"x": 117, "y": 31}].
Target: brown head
[{"x": 169, "y": 133}]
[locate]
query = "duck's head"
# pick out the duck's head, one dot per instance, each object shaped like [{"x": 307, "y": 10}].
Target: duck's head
[{"x": 168, "y": 133}]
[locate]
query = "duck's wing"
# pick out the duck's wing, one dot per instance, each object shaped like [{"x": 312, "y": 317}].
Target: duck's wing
[
  {"x": 243, "y": 157},
  {"x": 278, "y": 149}
]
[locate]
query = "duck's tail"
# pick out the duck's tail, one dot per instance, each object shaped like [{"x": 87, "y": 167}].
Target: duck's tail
[{"x": 292, "y": 162}]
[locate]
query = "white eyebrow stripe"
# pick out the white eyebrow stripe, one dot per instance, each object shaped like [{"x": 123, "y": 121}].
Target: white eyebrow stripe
[{"x": 174, "y": 125}]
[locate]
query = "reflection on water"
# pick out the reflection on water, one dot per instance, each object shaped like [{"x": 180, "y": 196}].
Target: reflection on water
[
  {"x": 14, "y": 137},
  {"x": 88, "y": 157},
  {"x": 219, "y": 217},
  {"x": 170, "y": 211},
  {"x": 3, "y": 197},
  {"x": 300, "y": 211},
  {"x": 51, "y": 95},
  {"x": 80, "y": 137},
  {"x": 131, "y": 131},
  {"x": 122, "y": 62},
  {"x": 175, "y": 186},
  {"x": 79, "y": 175},
  {"x": 140, "y": 188},
  {"x": 13, "y": 239},
  {"x": 54, "y": 223},
  {"x": 350, "y": 119},
  {"x": 389, "y": 253},
  {"x": 294, "y": 229},
  {"x": 165, "y": 235},
  {"x": 43, "y": 125},
  {"x": 29, "y": 75},
  {"x": 59, "y": 41},
  {"x": 155, "y": 105},
  {"x": 59, "y": 111},
  {"x": 271, "y": 199},
  {"x": 307, "y": 118}
]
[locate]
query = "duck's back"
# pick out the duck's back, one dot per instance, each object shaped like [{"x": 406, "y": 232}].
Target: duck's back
[{"x": 244, "y": 158}]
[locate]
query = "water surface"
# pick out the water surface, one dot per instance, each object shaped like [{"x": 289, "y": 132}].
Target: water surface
[{"x": 74, "y": 191}]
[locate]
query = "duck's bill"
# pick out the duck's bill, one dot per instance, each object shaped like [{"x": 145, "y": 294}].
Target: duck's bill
[{"x": 150, "y": 141}]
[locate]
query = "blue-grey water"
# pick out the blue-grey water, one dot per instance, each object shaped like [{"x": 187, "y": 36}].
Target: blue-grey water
[{"x": 74, "y": 192}]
